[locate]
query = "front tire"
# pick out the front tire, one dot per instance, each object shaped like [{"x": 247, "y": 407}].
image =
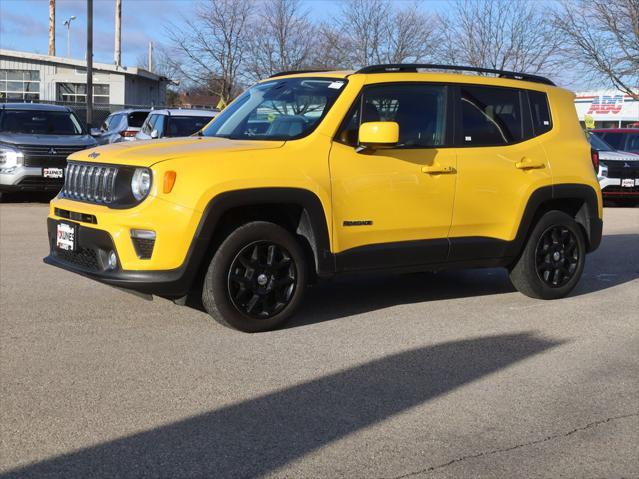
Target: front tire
[
  {"x": 256, "y": 278},
  {"x": 553, "y": 259}
]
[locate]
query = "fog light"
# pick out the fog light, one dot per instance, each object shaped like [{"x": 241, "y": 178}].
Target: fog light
[{"x": 112, "y": 260}]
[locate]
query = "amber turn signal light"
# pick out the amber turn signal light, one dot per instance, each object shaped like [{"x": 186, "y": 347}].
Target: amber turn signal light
[{"x": 169, "y": 181}]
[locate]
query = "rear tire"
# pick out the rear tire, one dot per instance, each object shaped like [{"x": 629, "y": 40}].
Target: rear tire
[
  {"x": 256, "y": 279},
  {"x": 553, "y": 259}
]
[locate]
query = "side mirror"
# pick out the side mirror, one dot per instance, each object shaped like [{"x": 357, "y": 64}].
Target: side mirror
[
  {"x": 155, "y": 134},
  {"x": 378, "y": 134},
  {"x": 95, "y": 132}
]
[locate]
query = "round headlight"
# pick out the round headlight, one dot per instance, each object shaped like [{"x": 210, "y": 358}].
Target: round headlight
[{"x": 141, "y": 183}]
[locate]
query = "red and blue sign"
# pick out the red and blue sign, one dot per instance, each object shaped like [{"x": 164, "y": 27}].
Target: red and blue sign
[{"x": 604, "y": 104}]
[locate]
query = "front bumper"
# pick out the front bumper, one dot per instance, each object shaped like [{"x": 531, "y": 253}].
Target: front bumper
[
  {"x": 176, "y": 251},
  {"x": 89, "y": 260},
  {"x": 612, "y": 187},
  {"x": 26, "y": 178}
]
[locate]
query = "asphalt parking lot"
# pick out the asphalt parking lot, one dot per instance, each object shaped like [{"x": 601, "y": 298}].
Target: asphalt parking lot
[{"x": 425, "y": 375}]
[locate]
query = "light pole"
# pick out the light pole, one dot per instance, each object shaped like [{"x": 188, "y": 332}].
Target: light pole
[{"x": 67, "y": 23}]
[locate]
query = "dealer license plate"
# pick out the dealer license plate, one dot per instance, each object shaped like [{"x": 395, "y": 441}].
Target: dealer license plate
[
  {"x": 65, "y": 238},
  {"x": 628, "y": 183},
  {"x": 52, "y": 172}
]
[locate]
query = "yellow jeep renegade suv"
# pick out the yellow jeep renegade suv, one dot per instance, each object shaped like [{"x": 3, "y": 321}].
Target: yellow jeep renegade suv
[{"x": 311, "y": 174}]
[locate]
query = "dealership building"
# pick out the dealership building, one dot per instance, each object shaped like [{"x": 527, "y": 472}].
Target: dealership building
[
  {"x": 34, "y": 77},
  {"x": 607, "y": 108}
]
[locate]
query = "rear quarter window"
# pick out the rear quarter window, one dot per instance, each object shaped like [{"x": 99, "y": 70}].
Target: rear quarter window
[
  {"x": 136, "y": 118},
  {"x": 540, "y": 111}
]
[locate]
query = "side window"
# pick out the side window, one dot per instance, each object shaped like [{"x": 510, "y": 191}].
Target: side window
[
  {"x": 159, "y": 124},
  {"x": 541, "y": 119},
  {"x": 149, "y": 124},
  {"x": 490, "y": 116},
  {"x": 112, "y": 122},
  {"x": 633, "y": 143},
  {"x": 419, "y": 109}
]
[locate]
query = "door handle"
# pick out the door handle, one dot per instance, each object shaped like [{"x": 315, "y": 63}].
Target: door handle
[
  {"x": 438, "y": 170},
  {"x": 528, "y": 164}
]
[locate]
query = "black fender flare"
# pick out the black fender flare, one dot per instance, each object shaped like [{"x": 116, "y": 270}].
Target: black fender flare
[
  {"x": 587, "y": 216},
  {"x": 312, "y": 223}
]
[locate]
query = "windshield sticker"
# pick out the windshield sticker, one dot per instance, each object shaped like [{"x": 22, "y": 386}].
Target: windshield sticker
[{"x": 336, "y": 85}]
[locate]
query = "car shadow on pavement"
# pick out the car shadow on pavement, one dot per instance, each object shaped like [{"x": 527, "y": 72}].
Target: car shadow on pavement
[
  {"x": 263, "y": 434},
  {"x": 610, "y": 265}
]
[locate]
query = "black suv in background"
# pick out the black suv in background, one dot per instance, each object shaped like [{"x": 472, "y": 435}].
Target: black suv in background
[{"x": 35, "y": 140}]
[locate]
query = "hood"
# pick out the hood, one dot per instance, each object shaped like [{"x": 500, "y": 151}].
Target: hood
[
  {"x": 46, "y": 140},
  {"x": 149, "y": 152},
  {"x": 617, "y": 156}
]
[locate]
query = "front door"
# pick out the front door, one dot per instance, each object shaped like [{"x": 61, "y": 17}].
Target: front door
[{"x": 393, "y": 207}]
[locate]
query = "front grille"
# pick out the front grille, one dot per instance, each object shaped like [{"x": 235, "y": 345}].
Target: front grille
[
  {"x": 83, "y": 257},
  {"x": 75, "y": 216},
  {"x": 47, "y": 156},
  {"x": 90, "y": 182},
  {"x": 616, "y": 169}
]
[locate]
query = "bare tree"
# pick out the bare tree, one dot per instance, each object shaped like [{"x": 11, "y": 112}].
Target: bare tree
[
  {"x": 331, "y": 51},
  {"x": 209, "y": 48},
  {"x": 363, "y": 23},
  {"x": 603, "y": 37},
  {"x": 506, "y": 35},
  {"x": 412, "y": 36},
  {"x": 374, "y": 31},
  {"x": 282, "y": 39}
]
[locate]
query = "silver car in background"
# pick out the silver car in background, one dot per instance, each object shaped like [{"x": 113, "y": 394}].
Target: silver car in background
[
  {"x": 35, "y": 140},
  {"x": 120, "y": 126},
  {"x": 174, "y": 122}
]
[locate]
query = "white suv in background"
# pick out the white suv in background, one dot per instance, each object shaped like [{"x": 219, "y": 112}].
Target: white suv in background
[
  {"x": 120, "y": 126},
  {"x": 617, "y": 171},
  {"x": 174, "y": 122}
]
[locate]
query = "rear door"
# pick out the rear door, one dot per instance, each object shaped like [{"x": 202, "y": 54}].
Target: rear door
[{"x": 500, "y": 163}]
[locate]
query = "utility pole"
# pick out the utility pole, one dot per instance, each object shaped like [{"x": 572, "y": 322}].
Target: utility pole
[
  {"x": 52, "y": 27},
  {"x": 89, "y": 64},
  {"x": 118, "y": 33},
  {"x": 150, "y": 61}
]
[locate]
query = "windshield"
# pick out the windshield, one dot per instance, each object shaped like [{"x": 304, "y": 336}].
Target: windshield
[
  {"x": 40, "y": 122},
  {"x": 277, "y": 110},
  {"x": 186, "y": 125},
  {"x": 598, "y": 144}
]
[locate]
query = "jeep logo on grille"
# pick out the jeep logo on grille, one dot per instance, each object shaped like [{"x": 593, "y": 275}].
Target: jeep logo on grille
[
  {"x": 52, "y": 151},
  {"x": 94, "y": 155}
]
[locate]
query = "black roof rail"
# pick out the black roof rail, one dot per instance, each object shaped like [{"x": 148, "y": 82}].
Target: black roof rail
[
  {"x": 293, "y": 72},
  {"x": 413, "y": 67}
]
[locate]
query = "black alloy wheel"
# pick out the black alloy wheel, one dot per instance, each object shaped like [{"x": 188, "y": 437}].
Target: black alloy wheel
[
  {"x": 262, "y": 279},
  {"x": 553, "y": 258},
  {"x": 256, "y": 279},
  {"x": 557, "y": 256}
]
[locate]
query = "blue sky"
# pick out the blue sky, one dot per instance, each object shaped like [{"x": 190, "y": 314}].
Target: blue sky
[{"x": 24, "y": 24}]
